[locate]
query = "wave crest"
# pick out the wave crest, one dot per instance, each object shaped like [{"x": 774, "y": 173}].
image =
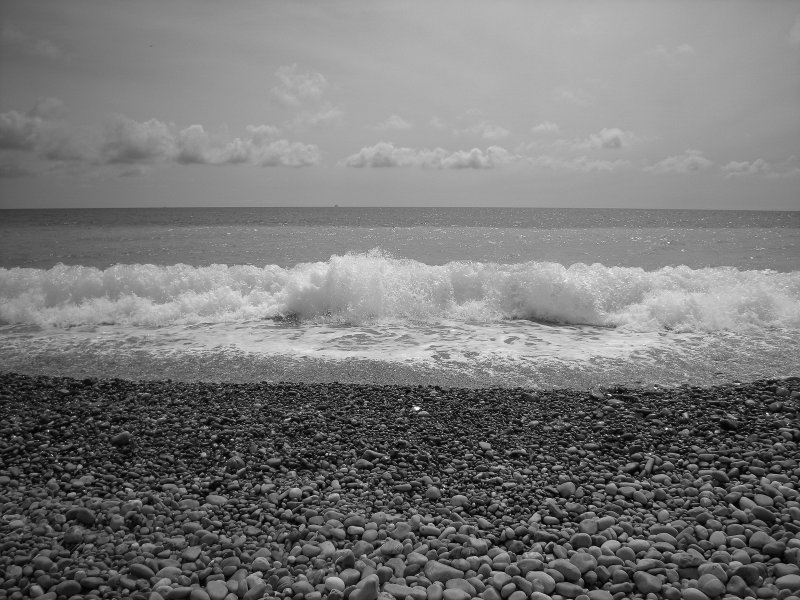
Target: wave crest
[{"x": 374, "y": 286}]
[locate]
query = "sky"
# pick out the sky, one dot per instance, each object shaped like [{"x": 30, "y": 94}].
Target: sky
[{"x": 644, "y": 104}]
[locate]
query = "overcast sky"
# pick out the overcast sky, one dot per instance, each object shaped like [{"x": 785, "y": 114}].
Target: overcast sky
[{"x": 619, "y": 104}]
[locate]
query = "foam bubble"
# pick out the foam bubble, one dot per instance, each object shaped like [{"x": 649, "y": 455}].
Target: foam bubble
[{"x": 375, "y": 287}]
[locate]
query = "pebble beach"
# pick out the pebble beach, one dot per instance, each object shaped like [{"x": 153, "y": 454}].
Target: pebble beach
[{"x": 160, "y": 490}]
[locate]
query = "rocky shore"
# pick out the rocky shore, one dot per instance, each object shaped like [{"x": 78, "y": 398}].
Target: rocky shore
[{"x": 120, "y": 489}]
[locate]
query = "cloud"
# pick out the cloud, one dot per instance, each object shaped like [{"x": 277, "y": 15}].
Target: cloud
[
  {"x": 607, "y": 138},
  {"x": 385, "y": 154},
  {"x": 304, "y": 94},
  {"x": 476, "y": 126},
  {"x": 546, "y": 127},
  {"x": 437, "y": 123},
  {"x": 760, "y": 167},
  {"x": 577, "y": 97},
  {"x": 130, "y": 142},
  {"x": 10, "y": 170},
  {"x": 41, "y": 133},
  {"x": 393, "y": 123},
  {"x": 486, "y": 130},
  {"x": 18, "y": 131},
  {"x": 673, "y": 55},
  {"x": 16, "y": 39},
  {"x": 580, "y": 164},
  {"x": 296, "y": 87},
  {"x": 690, "y": 160},
  {"x": 327, "y": 115},
  {"x": 126, "y": 141},
  {"x": 735, "y": 168},
  {"x": 41, "y": 130},
  {"x": 794, "y": 33}
]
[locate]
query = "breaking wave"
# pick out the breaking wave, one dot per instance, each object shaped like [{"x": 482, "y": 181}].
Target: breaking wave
[{"x": 375, "y": 287}]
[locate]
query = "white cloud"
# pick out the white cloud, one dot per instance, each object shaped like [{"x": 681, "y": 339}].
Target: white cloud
[
  {"x": 734, "y": 168},
  {"x": 675, "y": 54},
  {"x": 546, "y": 127},
  {"x": 577, "y": 97},
  {"x": 296, "y": 87},
  {"x": 12, "y": 170},
  {"x": 437, "y": 123},
  {"x": 41, "y": 130},
  {"x": 126, "y": 141},
  {"x": 607, "y": 138},
  {"x": 690, "y": 160},
  {"x": 14, "y": 38},
  {"x": 304, "y": 94},
  {"x": 195, "y": 146},
  {"x": 385, "y": 154},
  {"x": 287, "y": 154},
  {"x": 18, "y": 131},
  {"x": 760, "y": 167},
  {"x": 260, "y": 133},
  {"x": 485, "y": 130},
  {"x": 43, "y": 142},
  {"x": 326, "y": 115},
  {"x": 473, "y": 123},
  {"x": 393, "y": 123},
  {"x": 581, "y": 164},
  {"x": 794, "y": 33}
]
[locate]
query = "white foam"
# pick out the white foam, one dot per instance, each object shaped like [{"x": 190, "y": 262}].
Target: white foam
[{"x": 374, "y": 287}]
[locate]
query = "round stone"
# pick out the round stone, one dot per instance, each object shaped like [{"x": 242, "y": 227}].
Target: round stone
[
  {"x": 123, "y": 438},
  {"x": 566, "y": 489},
  {"x": 646, "y": 582},
  {"x": 433, "y": 493},
  {"x": 216, "y": 500},
  {"x": 459, "y": 500},
  {"x": 334, "y": 583},
  {"x": 789, "y": 582},
  {"x": 81, "y": 514}
]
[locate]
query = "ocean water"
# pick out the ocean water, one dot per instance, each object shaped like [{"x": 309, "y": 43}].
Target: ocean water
[{"x": 467, "y": 297}]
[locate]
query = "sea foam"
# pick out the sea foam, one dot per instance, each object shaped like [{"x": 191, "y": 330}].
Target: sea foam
[{"x": 375, "y": 287}]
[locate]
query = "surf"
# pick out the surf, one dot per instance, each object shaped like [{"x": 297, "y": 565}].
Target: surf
[{"x": 375, "y": 287}]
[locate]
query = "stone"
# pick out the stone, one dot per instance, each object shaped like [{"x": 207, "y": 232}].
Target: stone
[
  {"x": 436, "y": 571},
  {"x": 541, "y": 581},
  {"x": 693, "y": 594},
  {"x": 73, "y": 536},
  {"x": 123, "y": 438},
  {"x": 584, "y": 561},
  {"x": 646, "y": 582},
  {"x": 216, "y": 500},
  {"x": 216, "y": 590},
  {"x": 459, "y": 500},
  {"x": 81, "y": 514},
  {"x": 391, "y": 547},
  {"x": 367, "y": 589},
  {"x": 789, "y": 582},
  {"x": 398, "y": 591},
  {"x": 141, "y": 571},
  {"x": 191, "y": 554},
  {"x": 455, "y": 594},
  {"x": 568, "y": 589},
  {"x": 567, "y": 569},
  {"x": 580, "y": 540},
  {"x": 334, "y": 583},
  {"x": 566, "y": 489},
  {"x": 68, "y": 587}
]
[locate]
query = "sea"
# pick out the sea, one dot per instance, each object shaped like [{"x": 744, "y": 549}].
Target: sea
[{"x": 467, "y": 297}]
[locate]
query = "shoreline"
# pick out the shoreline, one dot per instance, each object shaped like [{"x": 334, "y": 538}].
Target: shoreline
[{"x": 160, "y": 489}]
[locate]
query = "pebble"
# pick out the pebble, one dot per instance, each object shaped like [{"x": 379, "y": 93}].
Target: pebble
[
  {"x": 121, "y": 439},
  {"x": 436, "y": 571},
  {"x": 529, "y": 512}
]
